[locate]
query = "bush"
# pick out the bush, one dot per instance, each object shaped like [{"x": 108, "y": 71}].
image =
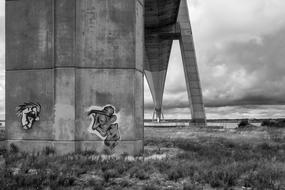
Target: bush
[
  {"x": 97, "y": 185},
  {"x": 266, "y": 176},
  {"x": 65, "y": 181},
  {"x": 182, "y": 169},
  {"x": 150, "y": 187},
  {"x": 265, "y": 123},
  {"x": 243, "y": 123},
  {"x": 110, "y": 173},
  {"x": 139, "y": 173},
  {"x": 273, "y": 123},
  {"x": 222, "y": 176},
  {"x": 191, "y": 186},
  {"x": 175, "y": 174}
]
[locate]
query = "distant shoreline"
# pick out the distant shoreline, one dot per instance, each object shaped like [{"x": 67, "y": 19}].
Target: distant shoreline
[{"x": 220, "y": 120}]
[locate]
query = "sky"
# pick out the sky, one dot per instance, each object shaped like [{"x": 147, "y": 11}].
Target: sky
[{"x": 240, "y": 48}]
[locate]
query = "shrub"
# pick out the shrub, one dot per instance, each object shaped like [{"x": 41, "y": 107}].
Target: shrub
[
  {"x": 222, "y": 176},
  {"x": 191, "y": 186},
  {"x": 138, "y": 173},
  {"x": 110, "y": 173},
  {"x": 162, "y": 166},
  {"x": 266, "y": 176},
  {"x": 150, "y": 187},
  {"x": 65, "y": 180},
  {"x": 175, "y": 174},
  {"x": 185, "y": 155},
  {"x": 243, "y": 123},
  {"x": 265, "y": 123},
  {"x": 96, "y": 184},
  {"x": 273, "y": 123}
]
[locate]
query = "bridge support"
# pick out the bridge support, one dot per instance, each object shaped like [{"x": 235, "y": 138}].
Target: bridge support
[
  {"x": 157, "y": 115},
  {"x": 190, "y": 67},
  {"x": 158, "y": 42},
  {"x": 74, "y": 75}
]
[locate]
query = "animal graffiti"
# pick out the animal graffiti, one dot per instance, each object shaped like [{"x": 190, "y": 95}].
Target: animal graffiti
[
  {"x": 104, "y": 126},
  {"x": 29, "y": 113}
]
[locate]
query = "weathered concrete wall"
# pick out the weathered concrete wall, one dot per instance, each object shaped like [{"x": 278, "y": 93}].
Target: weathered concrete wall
[
  {"x": 25, "y": 86},
  {"x": 29, "y": 34},
  {"x": 109, "y": 56},
  {"x": 70, "y": 56}
]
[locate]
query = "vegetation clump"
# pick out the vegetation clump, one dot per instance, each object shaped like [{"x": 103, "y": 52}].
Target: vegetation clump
[
  {"x": 274, "y": 123},
  {"x": 216, "y": 162},
  {"x": 245, "y": 124}
]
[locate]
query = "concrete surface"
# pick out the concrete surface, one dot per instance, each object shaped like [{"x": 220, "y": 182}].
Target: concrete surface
[
  {"x": 29, "y": 34},
  {"x": 115, "y": 90},
  {"x": 190, "y": 66},
  {"x": 173, "y": 23},
  {"x": 68, "y": 56},
  {"x": 25, "y": 86}
]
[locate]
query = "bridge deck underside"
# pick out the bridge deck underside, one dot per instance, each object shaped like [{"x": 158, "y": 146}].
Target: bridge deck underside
[
  {"x": 160, "y": 16},
  {"x": 160, "y": 13}
]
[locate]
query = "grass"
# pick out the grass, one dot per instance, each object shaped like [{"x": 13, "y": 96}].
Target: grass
[{"x": 199, "y": 163}]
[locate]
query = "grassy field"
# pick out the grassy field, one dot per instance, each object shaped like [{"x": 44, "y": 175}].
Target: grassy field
[{"x": 175, "y": 158}]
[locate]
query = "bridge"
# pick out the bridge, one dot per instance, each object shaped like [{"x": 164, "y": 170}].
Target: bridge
[
  {"x": 75, "y": 71},
  {"x": 165, "y": 21}
]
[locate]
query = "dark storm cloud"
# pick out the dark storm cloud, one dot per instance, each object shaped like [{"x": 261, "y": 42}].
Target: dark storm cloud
[
  {"x": 249, "y": 101},
  {"x": 263, "y": 72},
  {"x": 241, "y": 53},
  {"x": 227, "y": 112},
  {"x": 241, "y": 58}
]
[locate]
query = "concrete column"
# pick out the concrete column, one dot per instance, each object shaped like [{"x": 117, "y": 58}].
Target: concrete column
[
  {"x": 109, "y": 58},
  {"x": 30, "y": 74},
  {"x": 82, "y": 61},
  {"x": 157, "y": 52},
  {"x": 190, "y": 66}
]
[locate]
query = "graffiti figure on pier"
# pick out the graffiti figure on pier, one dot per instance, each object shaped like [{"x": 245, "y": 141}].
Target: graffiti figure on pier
[
  {"x": 29, "y": 113},
  {"x": 104, "y": 126}
]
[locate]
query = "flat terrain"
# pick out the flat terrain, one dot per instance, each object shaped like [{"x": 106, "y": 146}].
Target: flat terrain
[
  {"x": 248, "y": 135},
  {"x": 174, "y": 158}
]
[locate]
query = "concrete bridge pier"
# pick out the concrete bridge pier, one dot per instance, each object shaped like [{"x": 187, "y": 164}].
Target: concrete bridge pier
[
  {"x": 173, "y": 23},
  {"x": 190, "y": 66},
  {"x": 74, "y": 75}
]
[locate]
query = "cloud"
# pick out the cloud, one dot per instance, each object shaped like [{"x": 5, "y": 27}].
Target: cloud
[
  {"x": 227, "y": 112},
  {"x": 258, "y": 111},
  {"x": 240, "y": 52}
]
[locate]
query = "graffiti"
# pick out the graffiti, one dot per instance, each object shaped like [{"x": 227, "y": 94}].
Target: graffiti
[
  {"x": 29, "y": 113},
  {"x": 104, "y": 126}
]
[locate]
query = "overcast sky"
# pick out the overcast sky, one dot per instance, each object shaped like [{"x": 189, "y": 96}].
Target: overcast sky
[{"x": 240, "y": 48}]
